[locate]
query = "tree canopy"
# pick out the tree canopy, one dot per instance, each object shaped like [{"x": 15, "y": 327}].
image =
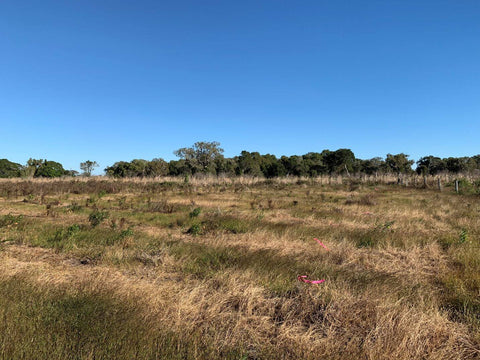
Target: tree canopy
[
  {"x": 201, "y": 156},
  {"x": 207, "y": 158}
]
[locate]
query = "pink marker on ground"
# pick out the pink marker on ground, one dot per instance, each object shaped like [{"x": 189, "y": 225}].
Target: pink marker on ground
[
  {"x": 321, "y": 244},
  {"x": 303, "y": 278}
]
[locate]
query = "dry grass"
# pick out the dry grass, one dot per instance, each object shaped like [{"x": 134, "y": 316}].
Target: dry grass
[{"x": 157, "y": 279}]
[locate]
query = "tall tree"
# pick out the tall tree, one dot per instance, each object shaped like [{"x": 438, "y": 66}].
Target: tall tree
[
  {"x": 87, "y": 167},
  {"x": 399, "y": 163},
  {"x": 339, "y": 161},
  {"x": 249, "y": 164},
  {"x": 157, "y": 167},
  {"x": 201, "y": 156},
  {"x": 50, "y": 169},
  {"x": 430, "y": 165}
]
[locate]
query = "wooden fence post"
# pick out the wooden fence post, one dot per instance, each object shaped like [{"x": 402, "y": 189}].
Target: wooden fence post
[{"x": 456, "y": 186}]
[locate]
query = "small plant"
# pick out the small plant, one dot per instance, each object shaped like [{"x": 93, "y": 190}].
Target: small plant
[
  {"x": 74, "y": 207},
  {"x": 101, "y": 193},
  {"x": 260, "y": 216},
  {"x": 113, "y": 224},
  {"x": 385, "y": 226},
  {"x": 30, "y": 198},
  {"x": 73, "y": 229},
  {"x": 195, "y": 230},
  {"x": 96, "y": 217},
  {"x": 126, "y": 233},
  {"x": 195, "y": 213},
  {"x": 463, "y": 236},
  {"x": 122, "y": 203},
  {"x": 91, "y": 201},
  {"x": 65, "y": 234}
]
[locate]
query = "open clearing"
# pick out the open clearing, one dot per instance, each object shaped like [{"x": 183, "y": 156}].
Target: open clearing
[{"x": 105, "y": 269}]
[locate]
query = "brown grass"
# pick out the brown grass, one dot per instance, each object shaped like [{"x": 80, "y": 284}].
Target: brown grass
[{"x": 402, "y": 273}]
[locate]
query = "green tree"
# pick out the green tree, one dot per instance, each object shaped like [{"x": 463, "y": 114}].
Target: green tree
[
  {"x": 314, "y": 164},
  {"x": 87, "y": 167},
  {"x": 271, "y": 166},
  {"x": 225, "y": 166},
  {"x": 50, "y": 169},
  {"x": 457, "y": 165},
  {"x": 178, "y": 167},
  {"x": 157, "y": 167},
  {"x": 372, "y": 166},
  {"x": 9, "y": 169},
  {"x": 119, "y": 170},
  {"x": 294, "y": 165},
  {"x": 138, "y": 167},
  {"x": 430, "y": 165},
  {"x": 399, "y": 163},
  {"x": 32, "y": 166},
  {"x": 201, "y": 156},
  {"x": 249, "y": 164},
  {"x": 339, "y": 161}
]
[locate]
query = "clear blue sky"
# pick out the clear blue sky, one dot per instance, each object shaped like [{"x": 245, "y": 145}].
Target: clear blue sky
[{"x": 117, "y": 80}]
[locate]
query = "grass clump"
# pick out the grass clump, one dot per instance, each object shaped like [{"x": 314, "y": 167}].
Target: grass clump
[{"x": 10, "y": 220}]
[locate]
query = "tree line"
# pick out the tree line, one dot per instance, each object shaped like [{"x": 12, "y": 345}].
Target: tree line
[{"x": 207, "y": 158}]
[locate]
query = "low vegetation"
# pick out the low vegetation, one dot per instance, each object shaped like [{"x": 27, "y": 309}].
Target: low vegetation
[{"x": 208, "y": 269}]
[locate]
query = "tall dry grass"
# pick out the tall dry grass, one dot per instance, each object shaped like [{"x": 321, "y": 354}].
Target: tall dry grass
[{"x": 160, "y": 279}]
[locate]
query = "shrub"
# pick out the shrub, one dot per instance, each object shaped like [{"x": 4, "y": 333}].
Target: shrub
[
  {"x": 96, "y": 217},
  {"x": 195, "y": 212},
  {"x": 195, "y": 229}
]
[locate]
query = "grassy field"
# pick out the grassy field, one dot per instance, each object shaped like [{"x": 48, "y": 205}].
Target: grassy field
[{"x": 105, "y": 269}]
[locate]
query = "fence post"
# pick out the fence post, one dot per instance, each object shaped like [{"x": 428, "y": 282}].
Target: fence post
[
  {"x": 439, "y": 184},
  {"x": 456, "y": 186}
]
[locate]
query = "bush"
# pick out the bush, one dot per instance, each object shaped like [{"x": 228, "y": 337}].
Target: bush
[
  {"x": 96, "y": 217},
  {"x": 195, "y": 229},
  {"x": 195, "y": 212}
]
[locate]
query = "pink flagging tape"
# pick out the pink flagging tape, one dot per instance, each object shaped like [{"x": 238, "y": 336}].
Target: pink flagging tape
[
  {"x": 303, "y": 278},
  {"x": 321, "y": 244}
]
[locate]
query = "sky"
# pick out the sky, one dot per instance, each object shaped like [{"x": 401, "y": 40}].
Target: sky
[{"x": 116, "y": 80}]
